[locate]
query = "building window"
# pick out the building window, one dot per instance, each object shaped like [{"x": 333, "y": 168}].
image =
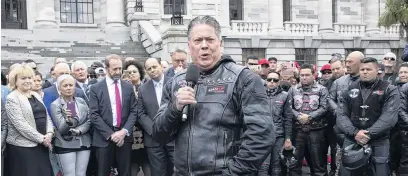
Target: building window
[
  {"x": 13, "y": 14},
  {"x": 349, "y": 50},
  {"x": 287, "y": 10},
  {"x": 258, "y": 52},
  {"x": 235, "y": 9},
  {"x": 77, "y": 11},
  {"x": 306, "y": 56},
  {"x": 171, "y": 6},
  {"x": 334, "y": 11}
]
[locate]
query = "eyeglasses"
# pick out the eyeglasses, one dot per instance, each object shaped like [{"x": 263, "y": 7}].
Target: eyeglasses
[
  {"x": 272, "y": 79},
  {"x": 326, "y": 72},
  {"x": 389, "y": 58}
]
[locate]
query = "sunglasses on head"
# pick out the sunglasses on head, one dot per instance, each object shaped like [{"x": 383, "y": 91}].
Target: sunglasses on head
[
  {"x": 389, "y": 58},
  {"x": 272, "y": 79}
]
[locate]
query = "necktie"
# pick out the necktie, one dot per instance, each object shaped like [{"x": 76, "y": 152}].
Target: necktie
[
  {"x": 158, "y": 92},
  {"x": 85, "y": 87},
  {"x": 118, "y": 105}
]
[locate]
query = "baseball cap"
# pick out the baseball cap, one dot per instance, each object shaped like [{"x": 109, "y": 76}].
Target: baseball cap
[
  {"x": 325, "y": 67},
  {"x": 100, "y": 70},
  {"x": 263, "y": 61}
]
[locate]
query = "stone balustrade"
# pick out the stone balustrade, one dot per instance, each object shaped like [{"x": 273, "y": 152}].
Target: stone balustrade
[
  {"x": 249, "y": 27},
  {"x": 393, "y": 30},
  {"x": 302, "y": 29},
  {"x": 350, "y": 29}
]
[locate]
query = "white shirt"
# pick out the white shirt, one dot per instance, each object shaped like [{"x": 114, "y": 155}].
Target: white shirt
[
  {"x": 111, "y": 89},
  {"x": 158, "y": 88}
]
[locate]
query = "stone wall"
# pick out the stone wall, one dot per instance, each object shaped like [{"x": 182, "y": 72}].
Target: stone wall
[
  {"x": 255, "y": 10},
  {"x": 350, "y": 11},
  {"x": 305, "y": 10}
]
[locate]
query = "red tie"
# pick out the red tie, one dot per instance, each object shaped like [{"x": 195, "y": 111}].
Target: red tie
[{"x": 118, "y": 105}]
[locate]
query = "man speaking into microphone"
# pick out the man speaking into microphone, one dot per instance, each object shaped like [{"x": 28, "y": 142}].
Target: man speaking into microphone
[{"x": 228, "y": 129}]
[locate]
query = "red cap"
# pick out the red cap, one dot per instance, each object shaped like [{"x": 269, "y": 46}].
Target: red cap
[
  {"x": 325, "y": 67},
  {"x": 263, "y": 61}
]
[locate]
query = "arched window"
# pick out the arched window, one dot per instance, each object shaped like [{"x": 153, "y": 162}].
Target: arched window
[{"x": 77, "y": 11}]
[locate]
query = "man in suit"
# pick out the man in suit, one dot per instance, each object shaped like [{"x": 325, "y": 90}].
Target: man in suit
[
  {"x": 113, "y": 114},
  {"x": 80, "y": 73},
  {"x": 52, "y": 93},
  {"x": 179, "y": 61},
  {"x": 160, "y": 156}
]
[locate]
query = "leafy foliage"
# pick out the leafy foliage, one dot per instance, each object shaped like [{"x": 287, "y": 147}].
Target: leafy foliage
[{"x": 396, "y": 12}]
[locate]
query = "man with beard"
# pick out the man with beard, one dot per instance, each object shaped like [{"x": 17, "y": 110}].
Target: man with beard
[
  {"x": 368, "y": 111},
  {"x": 309, "y": 105},
  {"x": 280, "y": 106},
  {"x": 228, "y": 130}
]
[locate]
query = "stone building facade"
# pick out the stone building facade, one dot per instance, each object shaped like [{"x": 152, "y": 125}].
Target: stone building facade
[{"x": 302, "y": 30}]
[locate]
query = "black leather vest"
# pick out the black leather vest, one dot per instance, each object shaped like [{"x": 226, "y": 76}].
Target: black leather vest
[{"x": 364, "y": 113}]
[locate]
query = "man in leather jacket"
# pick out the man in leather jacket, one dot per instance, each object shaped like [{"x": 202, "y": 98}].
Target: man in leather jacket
[
  {"x": 368, "y": 111},
  {"x": 280, "y": 106},
  {"x": 309, "y": 106},
  {"x": 228, "y": 130},
  {"x": 403, "y": 125}
]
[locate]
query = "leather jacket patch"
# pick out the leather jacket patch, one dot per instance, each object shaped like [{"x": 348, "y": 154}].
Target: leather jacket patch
[{"x": 218, "y": 89}]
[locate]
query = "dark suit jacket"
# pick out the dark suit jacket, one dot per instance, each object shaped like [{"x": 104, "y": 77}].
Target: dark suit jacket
[
  {"x": 51, "y": 94},
  {"x": 85, "y": 93},
  {"x": 170, "y": 73},
  {"x": 147, "y": 110},
  {"x": 101, "y": 112}
]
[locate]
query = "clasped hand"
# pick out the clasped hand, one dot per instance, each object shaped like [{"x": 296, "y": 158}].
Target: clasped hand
[
  {"x": 303, "y": 118},
  {"x": 362, "y": 137},
  {"x": 118, "y": 137}
]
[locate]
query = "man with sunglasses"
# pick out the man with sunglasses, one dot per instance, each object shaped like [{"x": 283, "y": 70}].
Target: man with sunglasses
[
  {"x": 309, "y": 106},
  {"x": 280, "y": 107},
  {"x": 389, "y": 60}
]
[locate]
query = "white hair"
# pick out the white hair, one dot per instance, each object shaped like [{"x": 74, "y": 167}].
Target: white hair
[
  {"x": 77, "y": 64},
  {"x": 64, "y": 77}
]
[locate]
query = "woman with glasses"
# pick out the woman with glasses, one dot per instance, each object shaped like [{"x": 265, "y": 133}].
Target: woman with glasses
[
  {"x": 135, "y": 74},
  {"x": 30, "y": 129},
  {"x": 71, "y": 118}
]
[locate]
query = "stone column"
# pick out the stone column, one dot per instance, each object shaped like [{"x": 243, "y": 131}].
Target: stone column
[
  {"x": 325, "y": 16},
  {"x": 45, "y": 14},
  {"x": 225, "y": 17},
  {"x": 275, "y": 16},
  {"x": 372, "y": 14},
  {"x": 116, "y": 29}
]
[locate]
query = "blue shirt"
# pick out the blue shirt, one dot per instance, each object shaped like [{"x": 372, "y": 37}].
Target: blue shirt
[{"x": 4, "y": 92}]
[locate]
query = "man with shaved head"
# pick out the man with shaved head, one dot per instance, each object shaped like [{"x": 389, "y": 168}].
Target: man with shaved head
[
  {"x": 150, "y": 93},
  {"x": 353, "y": 61},
  {"x": 52, "y": 93}
]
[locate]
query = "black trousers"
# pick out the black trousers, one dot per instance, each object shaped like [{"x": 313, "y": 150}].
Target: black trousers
[
  {"x": 403, "y": 168},
  {"x": 314, "y": 142},
  {"x": 112, "y": 154},
  {"x": 92, "y": 169},
  {"x": 378, "y": 163},
  {"x": 161, "y": 160},
  {"x": 395, "y": 148},
  {"x": 331, "y": 140}
]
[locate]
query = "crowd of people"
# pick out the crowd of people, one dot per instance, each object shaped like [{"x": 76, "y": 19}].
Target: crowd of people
[{"x": 267, "y": 117}]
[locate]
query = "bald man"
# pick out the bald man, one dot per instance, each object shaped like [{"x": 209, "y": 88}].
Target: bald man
[
  {"x": 52, "y": 93},
  {"x": 160, "y": 156}
]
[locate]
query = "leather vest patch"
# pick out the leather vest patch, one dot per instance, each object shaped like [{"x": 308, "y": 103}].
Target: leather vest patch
[{"x": 219, "y": 89}]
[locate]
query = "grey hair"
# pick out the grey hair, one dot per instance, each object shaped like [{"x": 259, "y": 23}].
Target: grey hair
[
  {"x": 178, "y": 50},
  {"x": 206, "y": 19},
  {"x": 78, "y": 63}
]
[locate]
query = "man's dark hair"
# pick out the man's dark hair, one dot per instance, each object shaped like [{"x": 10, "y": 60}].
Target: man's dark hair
[
  {"x": 138, "y": 65},
  {"x": 370, "y": 60},
  {"x": 158, "y": 61},
  {"x": 272, "y": 59},
  {"x": 308, "y": 66},
  {"x": 37, "y": 73},
  {"x": 96, "y": 64},
  {"x": 273, "y": 71},
  {"x": 29, "y": 61},
  {"x": 403, "y": 65},
  {"x": 252, "y": 57},
  {"x": 3, "y": 79}
]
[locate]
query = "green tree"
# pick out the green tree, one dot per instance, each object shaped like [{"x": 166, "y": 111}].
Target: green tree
[{"x": 396, "y": 12}]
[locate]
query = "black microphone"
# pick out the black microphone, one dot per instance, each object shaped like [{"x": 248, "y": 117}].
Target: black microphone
[{"x": 192, "y": 75}]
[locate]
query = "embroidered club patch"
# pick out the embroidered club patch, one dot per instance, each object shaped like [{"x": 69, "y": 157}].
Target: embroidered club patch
[{"x": 219, "y": 89}]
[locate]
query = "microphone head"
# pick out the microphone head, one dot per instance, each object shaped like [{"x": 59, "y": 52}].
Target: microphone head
[{"x": 193, "y": 73}]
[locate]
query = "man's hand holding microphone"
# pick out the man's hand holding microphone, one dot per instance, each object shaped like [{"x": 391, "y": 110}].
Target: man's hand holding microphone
[{"x": 185, "y": 96}]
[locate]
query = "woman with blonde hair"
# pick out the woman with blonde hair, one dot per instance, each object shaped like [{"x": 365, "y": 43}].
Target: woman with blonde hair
[
  {"x": 73, "y": 141},
  {"x": 30, "y": 129}
]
